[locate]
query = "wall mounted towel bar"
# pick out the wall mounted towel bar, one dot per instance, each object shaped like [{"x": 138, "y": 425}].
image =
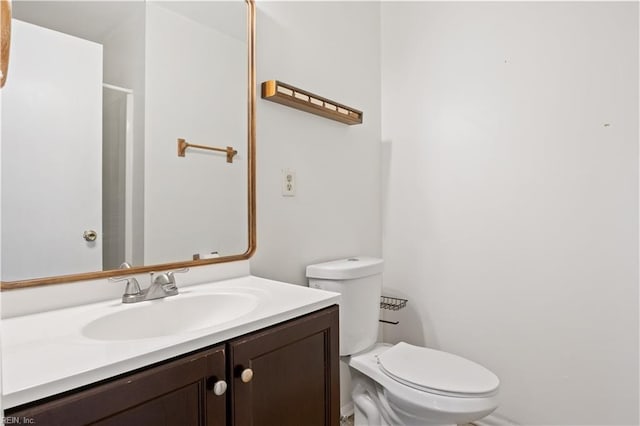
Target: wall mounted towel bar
[{"x": 183, "y": 145}]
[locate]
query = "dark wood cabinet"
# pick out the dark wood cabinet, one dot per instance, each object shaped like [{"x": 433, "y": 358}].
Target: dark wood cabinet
[
  {"x": 294, "y": 374},
  {"x": 173, "y": 393},
  {"x": 294, "y": 381}
]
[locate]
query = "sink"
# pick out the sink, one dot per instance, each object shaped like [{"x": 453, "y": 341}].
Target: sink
[{"x": 170, "y": 316}]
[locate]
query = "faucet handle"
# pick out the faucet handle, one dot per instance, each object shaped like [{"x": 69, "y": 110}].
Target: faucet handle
[
  {"x": 123, "y": 265},
  {"x": 170, "y": 274},
  {"x": 167, "y": 279},
  {"x": 162, "y": 278},
  {"x": 132, "y": 291},
  {"x": 132, "y": 288}
]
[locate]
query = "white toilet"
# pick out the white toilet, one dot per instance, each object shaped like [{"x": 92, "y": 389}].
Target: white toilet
[{"x": 397, "y": 384}]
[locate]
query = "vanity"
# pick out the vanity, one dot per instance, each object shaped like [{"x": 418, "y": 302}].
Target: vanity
[
  {"x": 270, "y": 359},
  {"x": 226, "y": 350}
]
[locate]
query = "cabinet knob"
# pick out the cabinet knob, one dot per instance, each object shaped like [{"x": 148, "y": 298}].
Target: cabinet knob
[
  {"x": 219, "y": 387},
  {"x": 246, "y": 375}
]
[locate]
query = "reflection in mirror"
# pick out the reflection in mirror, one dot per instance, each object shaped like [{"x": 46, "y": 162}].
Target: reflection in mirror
[{"x": 99, "y": 94}]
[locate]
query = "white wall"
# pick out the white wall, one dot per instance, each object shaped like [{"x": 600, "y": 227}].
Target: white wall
[
  {"x": 197, "y": 203},
  {"x": 511, "y": 197},
  {"x": 124, "y": 66},
  {"x": 331, "y": 49}
]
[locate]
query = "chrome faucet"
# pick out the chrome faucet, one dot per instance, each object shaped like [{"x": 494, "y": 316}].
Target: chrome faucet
[{"x": 162, "y": 285}]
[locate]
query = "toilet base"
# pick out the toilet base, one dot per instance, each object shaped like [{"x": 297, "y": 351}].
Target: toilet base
[
  {"x": 380, "y": 400},
  {"x": 372, "y": 408}
]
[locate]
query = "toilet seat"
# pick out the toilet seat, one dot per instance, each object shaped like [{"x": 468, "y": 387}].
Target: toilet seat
[
  {"x": 437, "y": 372},
  {"x": 415, "y": 404}
]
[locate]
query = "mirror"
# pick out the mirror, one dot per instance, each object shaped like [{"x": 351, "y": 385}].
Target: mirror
[{"x": 98, "y": 95}]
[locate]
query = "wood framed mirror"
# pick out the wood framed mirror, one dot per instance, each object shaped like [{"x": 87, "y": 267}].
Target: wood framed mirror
[{"x": 195, "y": 81}]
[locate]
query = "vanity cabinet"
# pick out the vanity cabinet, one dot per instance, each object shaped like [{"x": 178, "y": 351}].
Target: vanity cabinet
[
  {"x": 172, "y": 393},
  {"x": 286, "y": 374}
]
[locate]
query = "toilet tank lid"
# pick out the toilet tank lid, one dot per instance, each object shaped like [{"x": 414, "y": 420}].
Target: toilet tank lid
[{"x": 346, "y": 269}]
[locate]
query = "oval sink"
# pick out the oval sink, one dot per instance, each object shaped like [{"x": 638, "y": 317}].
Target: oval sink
[{"x": 169, "y": 316}]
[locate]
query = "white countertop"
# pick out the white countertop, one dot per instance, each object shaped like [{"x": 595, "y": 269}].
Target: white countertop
[{"x": 46, "y": 353}]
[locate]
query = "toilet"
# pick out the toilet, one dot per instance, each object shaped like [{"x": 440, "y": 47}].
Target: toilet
[{"x": 399, "y": 384}]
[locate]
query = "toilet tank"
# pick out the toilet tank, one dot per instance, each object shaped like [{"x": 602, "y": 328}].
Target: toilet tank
[{"x": 359, "y": 282}]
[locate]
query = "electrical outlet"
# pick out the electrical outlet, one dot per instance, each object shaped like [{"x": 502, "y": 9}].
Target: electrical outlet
[{"x": 288, "y": 183}]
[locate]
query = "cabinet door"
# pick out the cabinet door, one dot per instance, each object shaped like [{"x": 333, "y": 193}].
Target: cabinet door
[
  {"x": 295, "y": 377},
  {"x": 179, "y": 392}
]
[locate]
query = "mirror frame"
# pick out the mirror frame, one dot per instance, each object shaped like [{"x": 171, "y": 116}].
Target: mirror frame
[
  {"x": 5, "y": 38},
  {"x": 251, "y": 179}
]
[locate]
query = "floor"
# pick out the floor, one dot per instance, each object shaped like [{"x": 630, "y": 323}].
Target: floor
[{"x": 349, "y": 422}]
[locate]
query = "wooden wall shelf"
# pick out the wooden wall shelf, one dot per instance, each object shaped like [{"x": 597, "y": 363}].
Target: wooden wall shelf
[{"x": 285, "y": 94}]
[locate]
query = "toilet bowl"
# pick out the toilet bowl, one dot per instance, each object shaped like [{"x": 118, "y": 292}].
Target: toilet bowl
[
  {"x": 402, "y": 384},
  {"x": 411, "y": 385}
]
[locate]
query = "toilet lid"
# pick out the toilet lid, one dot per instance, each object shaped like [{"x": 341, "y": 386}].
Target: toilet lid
[{"x": 437, "y": 372}]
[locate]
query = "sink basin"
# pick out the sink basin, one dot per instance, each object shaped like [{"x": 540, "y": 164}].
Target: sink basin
[{"x": 170, "y": 316}]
